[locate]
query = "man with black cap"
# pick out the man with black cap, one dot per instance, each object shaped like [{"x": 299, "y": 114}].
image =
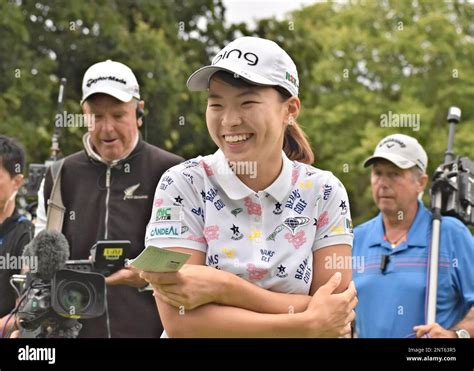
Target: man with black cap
[
  {"x": 107, "y": 191},
  {"x": 395, "y": 249}
]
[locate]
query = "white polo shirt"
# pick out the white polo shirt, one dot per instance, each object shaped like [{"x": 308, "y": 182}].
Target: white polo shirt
[{"x": 266, "y": 237}]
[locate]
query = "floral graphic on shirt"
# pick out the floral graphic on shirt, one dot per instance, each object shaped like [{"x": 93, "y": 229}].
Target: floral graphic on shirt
[
  {"x": 206, "y": 168},
  {"x": 338, "y": 229},
  {"x": 252, "y": 207},
  {"x": 158, "y": 202},
  {"x": 294, "y": 176},
  {"x": 197, "y": 239},
  {"x": 323, "y": 219},
  {"x": 211, "y": 232},
  {"x": 305, "y": 184},
  {"x": 296, "y": 240},
  {"x": 230, "y": 253},
  {"x": 255, "y": 234},
  {"x": 256, "y": 274}
]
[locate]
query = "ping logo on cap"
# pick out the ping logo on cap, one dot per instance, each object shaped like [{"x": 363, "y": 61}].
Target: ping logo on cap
[{"x": 250, "y": 57}]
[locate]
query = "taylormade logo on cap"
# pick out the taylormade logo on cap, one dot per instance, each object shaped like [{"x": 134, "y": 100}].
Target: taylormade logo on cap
[
  {"x": 402, "y": 150},
  {"x": 259, "y": 61},
  {"x": 111, "y": 78},
  {"x": 100, "y": 78}
]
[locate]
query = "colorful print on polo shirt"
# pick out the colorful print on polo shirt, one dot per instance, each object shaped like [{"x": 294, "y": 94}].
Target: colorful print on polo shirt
[{"x": 265, "y": 237}]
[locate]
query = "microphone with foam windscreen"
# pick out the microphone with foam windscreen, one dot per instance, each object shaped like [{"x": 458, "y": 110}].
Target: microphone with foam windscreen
[
  {"x": 56, "y": 296},
  {"x": 48, "y": 253}
]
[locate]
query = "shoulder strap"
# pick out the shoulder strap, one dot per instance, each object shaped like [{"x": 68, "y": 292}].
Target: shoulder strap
[
  {"x": 21, "y": 218},
  {"x": 56, "y": 209}
]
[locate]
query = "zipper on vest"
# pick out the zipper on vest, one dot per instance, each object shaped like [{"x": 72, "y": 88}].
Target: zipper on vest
[{"x": 107, "y": 186}]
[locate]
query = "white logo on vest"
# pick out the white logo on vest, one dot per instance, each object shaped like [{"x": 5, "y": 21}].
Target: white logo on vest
[{"x": 129, "y": 193}]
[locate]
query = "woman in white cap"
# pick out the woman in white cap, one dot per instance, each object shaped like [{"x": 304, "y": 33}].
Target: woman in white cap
[{"x": 269, "y": 234}]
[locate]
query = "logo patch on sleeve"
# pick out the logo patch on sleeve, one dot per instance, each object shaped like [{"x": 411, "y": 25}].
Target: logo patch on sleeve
[
  {"x": 166, "y": 213},
  {"x": 164, "y": 230}
]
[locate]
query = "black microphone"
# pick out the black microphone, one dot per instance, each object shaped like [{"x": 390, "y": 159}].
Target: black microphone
[
  {"x": 51, "y": 250},
  {"x": 384, "y": 263}
]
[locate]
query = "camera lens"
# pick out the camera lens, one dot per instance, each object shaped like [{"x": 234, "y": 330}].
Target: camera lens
[{"x": 74, "y": 296}]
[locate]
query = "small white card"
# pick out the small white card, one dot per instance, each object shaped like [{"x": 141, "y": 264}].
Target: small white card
[{"x": 154, "y": 259}]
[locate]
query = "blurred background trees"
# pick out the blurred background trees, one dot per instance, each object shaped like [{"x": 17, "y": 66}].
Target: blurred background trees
[{"x": 357, "y": 62}]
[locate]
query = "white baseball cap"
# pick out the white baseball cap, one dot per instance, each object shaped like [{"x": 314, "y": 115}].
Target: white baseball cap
[
  {"x": 258, "y": 61},
  {"x": 402, "y": 150},
  {"x": 111, "y": 78}
]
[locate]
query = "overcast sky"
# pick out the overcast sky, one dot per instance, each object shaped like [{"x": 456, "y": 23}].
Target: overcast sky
[{"x": 246, "y": 11}]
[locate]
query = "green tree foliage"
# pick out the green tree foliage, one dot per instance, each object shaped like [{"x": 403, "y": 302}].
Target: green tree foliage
[
  {"x": 162, "y": 41},
  {"x": 361, "y": 61},
  {"x": 357, "y": 62}
]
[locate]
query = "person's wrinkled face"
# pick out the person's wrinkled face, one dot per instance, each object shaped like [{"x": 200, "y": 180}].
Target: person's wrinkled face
[
  {"x": 115, "y": 126},
  {"x": 394, "y": 189}
]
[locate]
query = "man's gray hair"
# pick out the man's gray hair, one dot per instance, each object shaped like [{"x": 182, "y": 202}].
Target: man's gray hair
[{"x": 417, "y": 172}]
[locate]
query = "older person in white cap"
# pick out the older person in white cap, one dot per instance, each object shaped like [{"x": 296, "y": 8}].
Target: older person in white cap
[
  {"x": 259, "y": 239},
  {"x": 395, "y": 248},
  {"x": 107, "y": 191}
]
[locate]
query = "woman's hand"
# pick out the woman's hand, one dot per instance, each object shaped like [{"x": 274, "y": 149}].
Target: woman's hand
[
  {"x": 328, "y": 314},
  {"x": 190, "y": 287}
]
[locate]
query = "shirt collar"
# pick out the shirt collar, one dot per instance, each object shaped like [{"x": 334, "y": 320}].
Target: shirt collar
[
  {"x": 9, "y": 221},
  {"x": 416, "y": 234},
  {"x": 237, "y": 190},
  {"x": 420, "y": 227},
  {"x": 280, "y": 188}
]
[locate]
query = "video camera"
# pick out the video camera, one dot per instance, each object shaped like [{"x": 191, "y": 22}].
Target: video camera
[
  {"x": 51, "y": 308},
  {"x": 454, "y": 179},
  {"x": 59, "y": 291},
  {"x": 107, "y": 257}
]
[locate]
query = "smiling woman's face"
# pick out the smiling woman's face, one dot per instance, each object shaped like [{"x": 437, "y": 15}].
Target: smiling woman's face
[{"x": 246, "y": 122}]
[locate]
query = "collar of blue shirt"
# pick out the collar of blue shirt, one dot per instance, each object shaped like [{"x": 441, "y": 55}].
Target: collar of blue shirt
[
  {"x": 237, "y": 190},
  {"x": 417, "y": 234}
]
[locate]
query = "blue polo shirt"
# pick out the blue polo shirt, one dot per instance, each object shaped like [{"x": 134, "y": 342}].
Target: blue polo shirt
[{"x": 392, "y": 301}]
